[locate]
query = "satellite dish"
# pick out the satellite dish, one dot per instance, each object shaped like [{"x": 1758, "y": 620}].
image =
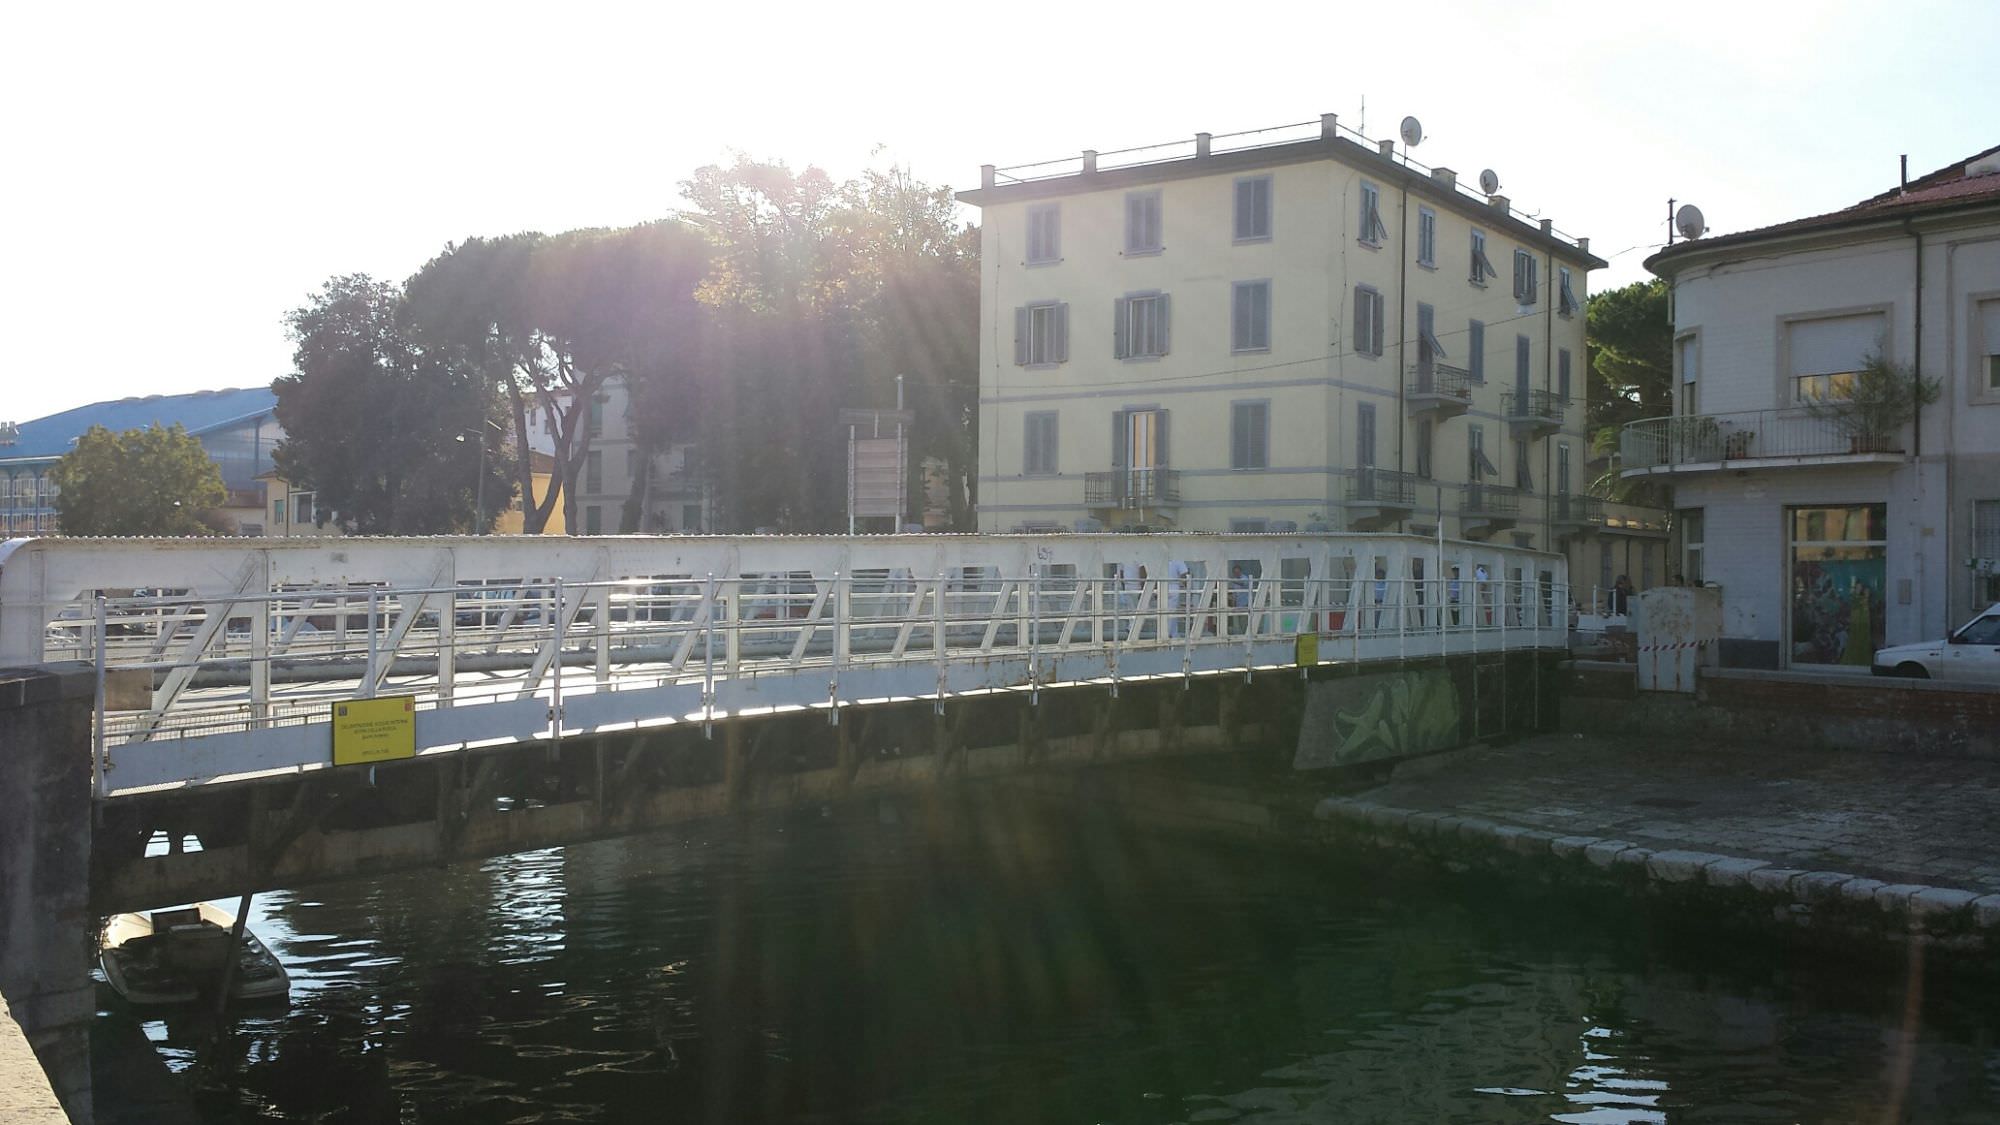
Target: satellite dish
[
  {"x": 1489, "y": 181},
  {"x": 1413, "y": 132},
  {"x": 1689, "y": 222}
]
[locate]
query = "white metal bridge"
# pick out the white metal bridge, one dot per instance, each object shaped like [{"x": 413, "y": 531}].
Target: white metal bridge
[{"x": 221, "y": 659}]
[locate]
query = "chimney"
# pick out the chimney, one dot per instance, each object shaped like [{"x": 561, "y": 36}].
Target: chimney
[
  {"x": 1201, "y": 143},
  {"x": 1089, "y": 160},
  {"x": 1387, "y": 147},
  {"x": 1329, "y": 126},
  {"x": 1583, "y": 244},
  {"x": 1548, "y": 226},
  {"x": 1498, "y": 203},
  {"x": 986, "y": 175},
  {"x": 1445, "y": 176}
]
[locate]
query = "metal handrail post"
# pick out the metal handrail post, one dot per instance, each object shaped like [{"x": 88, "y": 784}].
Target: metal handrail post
[
  {"x": 708, "y": 659},
  {"x": 368, "y": 685},
  {"x": 842, "y": 607},
  {"x": 100, "y": 762},
  {"x": 937, "y": 640},
  {"x": 556, "y": 668},
  {"x": 1035, "y": 638}
]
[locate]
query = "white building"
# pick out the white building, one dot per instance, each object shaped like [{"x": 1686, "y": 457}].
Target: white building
[
  {"x": 669, "y": 488},
  {"x": 1829, "y": 539},
  {"x": 1339, "y": 337}
]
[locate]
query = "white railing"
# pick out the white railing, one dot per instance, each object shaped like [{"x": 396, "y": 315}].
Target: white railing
[{"x": 240, "y": 677}]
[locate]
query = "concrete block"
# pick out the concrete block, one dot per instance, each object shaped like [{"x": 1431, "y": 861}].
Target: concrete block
[
  {"x": 1382, "y": 816},
  {"x": 1533, "y": 842},
  {"x": 1604, "y": 852},
  {"x": 1634, "y": 858},
  {"x": 1820, "y": 886},
  {"x": 1332, "y": 808},
  {"x": 1678, "y": 866},
  {"x": 1422, "y": 823},
  {"x": 1986, "y": 912},
  {"x": 1476, "y": 829},
  {"x": 1731, "y": 871},
  {"x": 1773, "y": 880},
  {"x": 1445, "y": 827},
  {"x": 1570, "y": 847},
  {"x": 1861, "y": 891},
  {"x": 1896, "y": 896},
  {"x": 1936, "y": 902}
]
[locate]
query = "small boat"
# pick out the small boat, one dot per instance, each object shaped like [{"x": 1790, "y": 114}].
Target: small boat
[{"x": 175, "y": 956}]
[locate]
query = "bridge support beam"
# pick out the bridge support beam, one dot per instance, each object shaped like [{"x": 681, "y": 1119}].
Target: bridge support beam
[{"x": 46, "y": 925}]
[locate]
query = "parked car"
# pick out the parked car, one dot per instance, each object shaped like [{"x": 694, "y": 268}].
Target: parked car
[{"x": 1971, "y": 655}]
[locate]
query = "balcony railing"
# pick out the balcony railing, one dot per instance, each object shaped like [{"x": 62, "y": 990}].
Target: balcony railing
[
  {"x": 1132, "y": 488},
  {"x": 1577, "y": 511},
  {"x": 1536, "y": 405},
  {"x": 1440, "y": 379},
  {"x": 1385, "y": 487},
  {"x": 1489, "y": 500},
  {"x": 1710, "y": 439}
]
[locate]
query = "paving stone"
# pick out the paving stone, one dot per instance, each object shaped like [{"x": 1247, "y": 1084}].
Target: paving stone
[
  {"x": 1569, "y": 847},
  {"x": 1604, "y": 852},
  {"x": 1632, "y": 857},
  {"x": 1986, "y": 911},
  {"x": 1820, "y": 885},
  {"x": 1860, "y": 890},
  {"x": 1774, "y": 880},
  {"x": 1896, "y": 896},
  {"x": 1731, "y": 871},
  {"x": 1933, "y": 902},
  {"x": 1678, "y": 866}
]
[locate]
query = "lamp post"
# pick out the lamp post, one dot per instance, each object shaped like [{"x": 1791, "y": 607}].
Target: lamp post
[{"x": 479, "y": 489}]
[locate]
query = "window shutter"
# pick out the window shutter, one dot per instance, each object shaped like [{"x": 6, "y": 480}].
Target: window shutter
[
  {"x": 1120, "y": 451},
  {"x": 1475, "y": 346},
  {"x": 1132, "y": 222},
  {"x": 1062, "y": 332},
  {"x": 1260, "y": 447},
  {"x": 1562, "y": 374},
  {"x": 1239, "y": 425},
  {"x": 1052, "y": 234},
  {"x": 1378, "y": 303},
  {"x": 1521, "y": 373},
  {"x": 1166, "y": 320},
  {"x": 1245, "y": 223},
  {"x": 1120, "y": 313},
  {"x": 1160, "y": 460},
  {"x": 1021, "y": 336},
  {"x": 1359, "y": 332}
]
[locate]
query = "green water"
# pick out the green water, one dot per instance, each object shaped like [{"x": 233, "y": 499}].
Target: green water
[{"x": 895, "y": 961}]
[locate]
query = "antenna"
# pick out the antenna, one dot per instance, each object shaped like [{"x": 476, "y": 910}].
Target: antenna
[
  {"x": 1489, "y": 181},
  {"x": 1689, "y": 222},
  {"x": 1413, "y": 132}
]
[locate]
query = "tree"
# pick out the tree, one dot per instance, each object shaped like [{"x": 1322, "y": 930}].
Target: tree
[
  {"x": 373, "y": 421},
  {"x": 1631, "y": 334},
  {"x": 150, "y": 481}
]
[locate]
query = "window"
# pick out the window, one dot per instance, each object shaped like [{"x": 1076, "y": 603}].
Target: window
[
  {"x": 1041, "y": 334},
  {"x": 1142, "y": 222},
  {"x": 1566, "y": 302},
  {"x": 690, "y": 517},
  {"x": 1560, "y": 485},
  {"x": 1987, "y": 319},
  {"x": 1826, "y": 353},
  {"x": 1248, "y": 527},
  {"x": 1692, "y": 533},
  {"x": 1249, "y": 435},
  {"x": 1428, "y": 346},
  {"x": 278, "y": 512},
  {"x": 1481, "y": 267},
  {"x": 1478, "y": 466},
  {"x": 593, "y": 471},
  {"x": 1525, "y": 289},
  {"x": 1253, "y": 209},
  {"x": 1044, "y": 234},
  {"x": 632, "y": 465},
  {"x": 1524, "y": 478},
  {"x": 1364, "y": 435},
  {"x": 1839, "y": 560},
  {"x": 1426, "y": 439},
  {"x": 1687, "y": 358},
  {"x": 1427, "y": 237},
  {"x": 597, "y": 415},
  {"x": 1372, "y": 230},
  {"x": 593, "y": 520},
  {"x": 302, "y": 507},
  {"x": 1250, "y": 316},
  {"x": 1367, "y": 321},
  {"x": 1562, "y": 376},
  {"x": 1139, "y": 328},
  {"x": 1039, "y": 433},
  {"x": 1475, "y": 350},
  {"x": 1522, "y": 367}
]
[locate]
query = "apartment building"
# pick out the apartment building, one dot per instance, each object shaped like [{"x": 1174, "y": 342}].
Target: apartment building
[
  {"x": 1291, "y": 329},
  {"x": 668, "y": 486},
  {"x": 1834, "y": 522}
]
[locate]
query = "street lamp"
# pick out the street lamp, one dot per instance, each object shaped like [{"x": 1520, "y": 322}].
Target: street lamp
[{"x": 479, "y": 489}]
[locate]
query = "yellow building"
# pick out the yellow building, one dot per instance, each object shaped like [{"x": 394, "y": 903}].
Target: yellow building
[{"x": 1286, "y": 330}]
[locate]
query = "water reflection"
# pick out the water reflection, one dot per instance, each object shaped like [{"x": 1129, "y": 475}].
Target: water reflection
[{"x": 998, "y": 962}]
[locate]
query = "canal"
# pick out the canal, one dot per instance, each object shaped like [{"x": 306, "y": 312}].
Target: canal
[{"x": 994, "y": 960}]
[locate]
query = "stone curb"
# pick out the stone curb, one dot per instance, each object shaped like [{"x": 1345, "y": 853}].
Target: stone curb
[{"x": 1916, "y": 908}]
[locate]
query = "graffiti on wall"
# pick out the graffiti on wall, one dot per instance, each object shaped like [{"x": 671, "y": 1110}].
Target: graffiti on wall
[{"x": 1368, "y": 718}]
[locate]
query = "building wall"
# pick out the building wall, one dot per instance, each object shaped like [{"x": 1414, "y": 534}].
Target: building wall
[
  {"x": 676, "y": 501},
  {"x": 1312, "y": 375}
]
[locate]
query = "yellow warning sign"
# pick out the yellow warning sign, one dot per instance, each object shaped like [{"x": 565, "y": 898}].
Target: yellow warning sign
[
  {"x": 374, "y": 730},
  {"x": 1308, "y": 649}
]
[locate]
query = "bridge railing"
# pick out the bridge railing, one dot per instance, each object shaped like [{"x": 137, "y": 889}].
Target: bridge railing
[{"x": 233, "y": 661}]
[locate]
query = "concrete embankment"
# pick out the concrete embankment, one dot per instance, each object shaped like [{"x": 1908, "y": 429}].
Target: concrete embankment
[{"x": 25, "y": 1096}]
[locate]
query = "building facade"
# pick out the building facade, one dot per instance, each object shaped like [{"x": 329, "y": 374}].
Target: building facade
[
  {"x": 668, "y": 488},
  {"x": 1834, "y": 523},
  {"x": 236, "y": 427},
  {"x": 1277, "y": 332}
]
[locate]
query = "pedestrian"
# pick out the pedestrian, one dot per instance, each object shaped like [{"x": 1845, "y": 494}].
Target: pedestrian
[
  {"x": 1621, "y": 596},
  {"x": 1451, "y": 593}
]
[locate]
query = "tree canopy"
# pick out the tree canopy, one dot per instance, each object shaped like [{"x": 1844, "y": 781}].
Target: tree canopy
[
  {"x": 150, "y": 481},
  {"x": 1631, "y": 334}
]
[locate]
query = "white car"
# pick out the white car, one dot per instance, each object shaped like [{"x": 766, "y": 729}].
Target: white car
[{"x": 1971, "y": 655}]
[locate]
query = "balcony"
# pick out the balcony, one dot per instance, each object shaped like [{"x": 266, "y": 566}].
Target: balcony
[
  {"x": 1535, "y": 414},
  {"x": 1131, "y": 490},
  {"x": 1377, "y": 498},
  {"x": 1751, "y": 439},
  {"x": 1438, "y": 389},
  {"x": 1487, "y": 509},
  {"x": 1571, "y": 516}
]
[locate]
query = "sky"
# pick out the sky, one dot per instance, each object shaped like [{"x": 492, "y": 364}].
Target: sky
[{"x": 179, "y": 176}]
